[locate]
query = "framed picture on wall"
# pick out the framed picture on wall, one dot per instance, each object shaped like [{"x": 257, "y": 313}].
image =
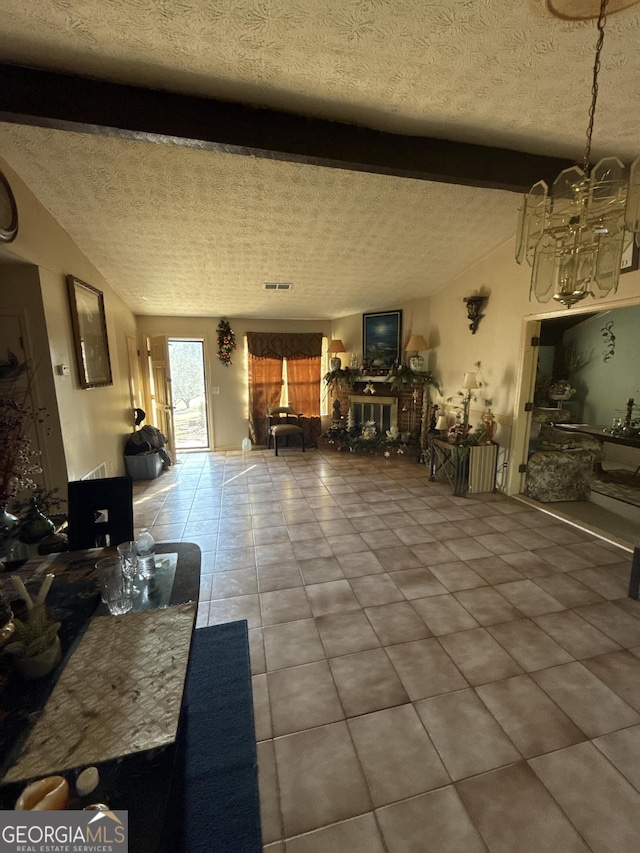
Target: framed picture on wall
[
  {"x": 630, "y": 258},
  {"x": 90, "y": 333},
  {"x": 381, "y": 337}
]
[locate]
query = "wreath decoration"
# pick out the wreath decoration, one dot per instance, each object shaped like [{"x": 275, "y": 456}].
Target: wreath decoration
[{"x": 226, "y": 342}]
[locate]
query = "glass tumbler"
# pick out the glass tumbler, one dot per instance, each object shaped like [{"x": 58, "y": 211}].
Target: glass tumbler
[
  {"x": 116, "y": 588},
  {"x": 129, "y": 554}
]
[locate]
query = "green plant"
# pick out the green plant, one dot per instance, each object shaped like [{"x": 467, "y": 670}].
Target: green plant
[
  {"x": 343, "y": 378},
  {"x": 404, "y": 377},
  {"x": 33, "y": 634}
]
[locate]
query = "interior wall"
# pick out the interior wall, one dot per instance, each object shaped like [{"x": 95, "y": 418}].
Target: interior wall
[
  {"x": 92, "y": 424},
  {"x": 228, "y": 407}
]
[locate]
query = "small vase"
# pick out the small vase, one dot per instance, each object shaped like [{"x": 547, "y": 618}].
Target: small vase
[
  {"x": 32, "y": 668},
  {"x": 35, "y": 526}
]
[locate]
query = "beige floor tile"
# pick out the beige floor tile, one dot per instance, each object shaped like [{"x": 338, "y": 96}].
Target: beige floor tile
[
  {"x": 308, "y": 548},
  {"x": 515, "y": 812},
  {"x": 278, "y": 576},
  {"x": 230, "y": 584},
  {"x": 256, "y": 651},
  {"x": 357, "y": 835},
  {"x": 498, "y": 543},
  {"x": 332, "y": 597},
  {"x": 268, "y": 535},
  {"x": 457, "y": 575},
  {"x": 621, "y": 672},
  {"x": 602, "y": 582},
  {"x": 357, "y": 565},
  {"x": 414, "y": 534},
  {"x": 629, "y": 605},
  {"x": 350, "y": 543},
  {"x": 577, "y": 636},
  {"x": 397, "y": 559},
  {"x": 466, "y": 735},
  {"x": 261, "y": 707},
  {"x": 396, "y": 754},
  {"x": 493, "y": 570},
  {"x": 284, "y": 605},
  {"x": 308, "y": 530},
  {"x": 312, "y": 793},
  {"x": 366, "y": 682},
  {"x": 599, "y": 801},
  {"x": 623, "y": 750},
  {"x": 567, "y": 590},
  {"x": 531, "y": 647},
  {"x": 292, "y": 644},
  {"x": 434, "y": 553},
  {"x": 443, "y": 614},
  {"x": 437, "y": 822},
  {"x": 303, "y": 697},
  {"x": 532, "y": 720},
  {"x": 418, "y": 583},
  {"x": 529, "y": 598},
  {"x": 529, "y": 563},
  {"x": 502, "y": 523},
  {"x": 270, "y": 818},
  {"x": 592, "y": 706},
  {"x": 469, "y": 548},
  {"x": 230, "y": 609},
  {"x": 600, "y": 553},
  {"x": 234, "y": 558},
  {"x": 479, "y": 657},
  {"x": 487, "y": 606},
  {"x": 372, "y": 590},
  {"x": 613, "y": 622},
  {"x": 346, "y": 633},
  {"x": 425, "y": 669},
  {"x": 397, "y": 623},
  {"x": 320, "y": 569},
  {"x": 563, "y": 559}
]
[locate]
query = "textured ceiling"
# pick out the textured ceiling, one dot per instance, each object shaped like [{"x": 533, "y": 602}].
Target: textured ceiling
[{"x": 198, "y": 233}]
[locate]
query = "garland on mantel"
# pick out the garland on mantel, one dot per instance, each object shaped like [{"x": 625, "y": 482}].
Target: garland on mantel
[{"x": 226, "y": 342}]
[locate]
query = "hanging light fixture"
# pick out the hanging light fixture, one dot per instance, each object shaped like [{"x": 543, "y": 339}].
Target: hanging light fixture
[{"x": 574, "y": 235}]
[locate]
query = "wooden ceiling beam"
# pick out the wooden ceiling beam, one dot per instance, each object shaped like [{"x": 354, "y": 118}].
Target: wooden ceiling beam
[{"x": 64, "y": 102}]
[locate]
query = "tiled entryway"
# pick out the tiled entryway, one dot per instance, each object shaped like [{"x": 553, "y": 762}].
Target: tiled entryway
[{"x": 432, "y": 674}]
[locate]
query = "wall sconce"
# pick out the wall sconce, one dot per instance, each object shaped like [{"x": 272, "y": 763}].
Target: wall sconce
[
  {"x": 335, "y": 347},
  {"x": 415, "y": 345},
  {"x": 474, "y": 306}
]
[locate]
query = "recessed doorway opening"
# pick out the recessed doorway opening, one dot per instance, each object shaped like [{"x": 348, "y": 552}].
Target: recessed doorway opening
[{"x": 191, "y": 424}]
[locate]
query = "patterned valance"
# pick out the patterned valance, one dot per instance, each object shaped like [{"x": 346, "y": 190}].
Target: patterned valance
[{"x": 290, "y": 345}]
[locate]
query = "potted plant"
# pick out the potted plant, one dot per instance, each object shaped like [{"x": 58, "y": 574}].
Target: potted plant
[
  {"x": 35, "y": 642},
  {"x": 405, "y": 377}
]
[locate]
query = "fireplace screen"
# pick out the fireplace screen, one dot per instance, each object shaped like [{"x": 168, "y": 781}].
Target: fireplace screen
[{"x": 383, "y": 411}]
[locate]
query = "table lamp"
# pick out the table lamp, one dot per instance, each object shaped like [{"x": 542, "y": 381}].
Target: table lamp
[
  {"x": 415, "y": 345},
  {"x": 335, "y": 347}
]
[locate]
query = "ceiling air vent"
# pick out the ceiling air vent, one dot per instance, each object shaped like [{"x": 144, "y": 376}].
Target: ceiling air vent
[{"x": 277, "y": 285}]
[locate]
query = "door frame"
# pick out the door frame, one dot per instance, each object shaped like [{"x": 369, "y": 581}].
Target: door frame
[
  {"x": 207, "y": 393},
  {"x": 527, "y": 361}
]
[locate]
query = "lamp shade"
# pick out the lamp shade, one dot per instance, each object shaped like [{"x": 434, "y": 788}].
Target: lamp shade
[
  {"x": 442, "y": 423},
  {"x": 336, "y": 346},
  {"x": 470, "y": 382},
  {"x": 416, "y": 343}
]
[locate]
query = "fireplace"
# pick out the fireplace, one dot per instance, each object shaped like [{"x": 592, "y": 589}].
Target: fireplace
[{"x": 382, "y": 410}]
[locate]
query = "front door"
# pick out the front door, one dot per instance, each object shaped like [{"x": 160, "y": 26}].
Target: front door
[{"x": 160, "y": 386}]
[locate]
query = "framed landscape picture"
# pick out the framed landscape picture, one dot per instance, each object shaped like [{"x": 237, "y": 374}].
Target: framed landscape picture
[
  {"x": 90, "y": 333},
  {"x": 381, "y": 338}
]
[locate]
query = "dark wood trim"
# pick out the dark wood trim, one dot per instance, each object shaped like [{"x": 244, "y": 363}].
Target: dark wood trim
[{"x": 49, "y": 99}]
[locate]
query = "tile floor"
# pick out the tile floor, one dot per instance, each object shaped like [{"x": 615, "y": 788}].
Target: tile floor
[{"x": 430, "y": 673}]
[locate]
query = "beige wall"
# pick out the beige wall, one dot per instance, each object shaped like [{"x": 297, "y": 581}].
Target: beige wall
[
  {"x": 229, "y": 407},
  {"x": 92, "y": 424}
]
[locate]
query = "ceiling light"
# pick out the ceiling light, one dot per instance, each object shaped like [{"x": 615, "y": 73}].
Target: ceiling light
[{"x": 574, "y": 234}]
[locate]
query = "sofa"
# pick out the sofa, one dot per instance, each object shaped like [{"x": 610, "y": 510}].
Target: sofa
[{"x": 560, "y": 465}]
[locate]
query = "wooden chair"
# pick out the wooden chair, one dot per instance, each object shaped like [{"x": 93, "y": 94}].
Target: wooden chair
[
  {"x": 283, "y": 423},
  {"x": 100, "y": 512}
]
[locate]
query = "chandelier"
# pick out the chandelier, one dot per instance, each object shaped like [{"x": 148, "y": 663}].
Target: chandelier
[{"x": 574, "y": 234}]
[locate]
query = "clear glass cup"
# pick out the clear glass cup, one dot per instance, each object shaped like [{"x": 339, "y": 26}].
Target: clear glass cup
[
  {"x": 115, "y": 587},
  {"x": 128, "y": 552}
]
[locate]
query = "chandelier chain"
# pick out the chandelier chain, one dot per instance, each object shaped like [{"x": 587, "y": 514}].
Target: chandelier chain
[{"x": 602, "y": 20}]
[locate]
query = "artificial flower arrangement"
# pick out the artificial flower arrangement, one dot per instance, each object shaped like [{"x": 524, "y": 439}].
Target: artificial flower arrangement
[{"x": 226, "y": 342}]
